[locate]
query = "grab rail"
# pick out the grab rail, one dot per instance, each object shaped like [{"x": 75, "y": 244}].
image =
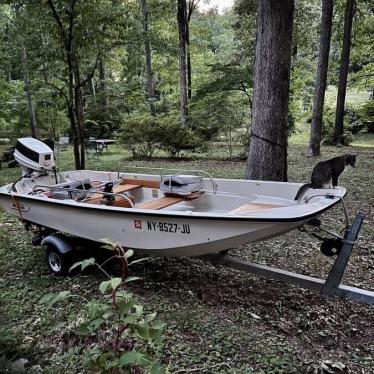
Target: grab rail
[
  {"x": 214, "y": 184},
  {"x": 52, "y": 188}
]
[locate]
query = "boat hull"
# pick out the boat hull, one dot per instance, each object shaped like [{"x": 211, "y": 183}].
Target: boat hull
[{"x": 162, "y": 235}]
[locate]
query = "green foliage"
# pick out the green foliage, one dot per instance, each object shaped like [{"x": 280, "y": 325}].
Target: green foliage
[
  {"x": 177, "y": 137},
  {"x": 13, "y": 106},
  {"x": 329, "y": 125},
  {"x": 99, "y": 129},
  {"x": 357, "y": 119},
  {"x": 366, "y": 114},
  {"x": 145, "y": 134},
  {"x": 224, "y": 116},
  {"x": 119, "y": 317},
  {"x": 142, "y": 135}
]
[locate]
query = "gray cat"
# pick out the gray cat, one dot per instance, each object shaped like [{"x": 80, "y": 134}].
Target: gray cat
[{"x": 327, "y": 173}]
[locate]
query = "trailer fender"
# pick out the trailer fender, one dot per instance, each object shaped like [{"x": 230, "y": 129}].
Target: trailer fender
[{"x": 58, "y": 241}]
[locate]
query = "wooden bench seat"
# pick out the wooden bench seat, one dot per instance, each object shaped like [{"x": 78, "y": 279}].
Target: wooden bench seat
[
  {"x": 169, "y": 199},
  {"x": 254, "y": 206},
  {"x": 120, "y": 188},
  {"x": 161, "y": 203},
  {"x": 141, "y": 182}
]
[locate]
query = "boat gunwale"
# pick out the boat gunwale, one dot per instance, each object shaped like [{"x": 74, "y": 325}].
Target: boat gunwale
[{"x": 169, "y": 214}]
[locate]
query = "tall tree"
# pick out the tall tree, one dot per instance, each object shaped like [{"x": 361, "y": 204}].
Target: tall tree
[
  {"x": 343, "y": 73},
  {"x": 102, "y": 84},
  {"x": 148, "y": 58},
  {"x": 192, "y": 4},
  {"x": 182, "y": 21},
  {"x": 30, "y": 103},
  {"x": 26, "y": 75},
  {"x": 267, "y": 158},
  {"x": 75, "y": 82},
  {"x": 319, "y": 92}
]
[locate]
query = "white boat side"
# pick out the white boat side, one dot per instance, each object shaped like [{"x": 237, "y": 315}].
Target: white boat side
[{"x": 220, "y": 219}]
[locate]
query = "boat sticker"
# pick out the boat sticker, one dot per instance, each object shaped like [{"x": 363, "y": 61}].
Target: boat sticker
[
  {"x": 138, "y": 224},
  {"x": 168, "y": 227},
  {"x": 20, "y": 207}
]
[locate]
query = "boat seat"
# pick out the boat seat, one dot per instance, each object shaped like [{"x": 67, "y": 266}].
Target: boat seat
[
  {"x": 254, "y": 206},
  {"x": 141, "y": 182},
  {"x": 161, "y": 203},
  {"x": 119, "y": 188},
  {"x": 168, "y": 199}
]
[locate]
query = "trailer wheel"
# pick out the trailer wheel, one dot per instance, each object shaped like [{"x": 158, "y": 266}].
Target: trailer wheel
[{"x": 58, "y": 263}]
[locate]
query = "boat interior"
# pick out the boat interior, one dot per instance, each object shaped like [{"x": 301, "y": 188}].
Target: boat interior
[{"x": 185, "y": 193}]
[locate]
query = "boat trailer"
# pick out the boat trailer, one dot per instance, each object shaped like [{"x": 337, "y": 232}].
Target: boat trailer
[
  {"x": 60, "y": 247},
  {"x": 331, "y": 286}
]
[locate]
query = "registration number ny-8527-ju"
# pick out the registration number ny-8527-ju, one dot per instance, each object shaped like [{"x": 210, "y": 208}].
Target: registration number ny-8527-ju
[{"x": 169, "y": 227}]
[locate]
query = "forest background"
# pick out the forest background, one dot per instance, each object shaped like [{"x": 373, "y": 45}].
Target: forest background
[
  {"x": 123, "y": 74},
  {"x": 122, "y": 80}
]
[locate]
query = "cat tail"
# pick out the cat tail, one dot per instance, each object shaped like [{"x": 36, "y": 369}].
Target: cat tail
[{"x": 302, "y": 189}]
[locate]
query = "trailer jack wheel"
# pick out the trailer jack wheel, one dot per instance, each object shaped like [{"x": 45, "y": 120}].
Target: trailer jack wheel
[{"x": 331, "y": 247}]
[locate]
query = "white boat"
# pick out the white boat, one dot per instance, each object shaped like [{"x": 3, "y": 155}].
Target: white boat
[{"x": 174, "y": 215}]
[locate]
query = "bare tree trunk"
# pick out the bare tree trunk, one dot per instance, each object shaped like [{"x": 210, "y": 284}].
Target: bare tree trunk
[
  {"x": 189, "y": 73},
  {"x": 182, "y": 19},
  {"x": 93, "y": 90},
  {"x": 343, "y": 74},
  {"x": 319, "y": 92},
  {"x": 73, "y": 120},
  {"x": 30, "y": 104},
  {"x": 103, "y": 93},
  {"x": 79, "y": 108},
  {"x": 192, "y": 4},
  {"x": 267, "y": 159},
  {"x": 148, "y": 58}
]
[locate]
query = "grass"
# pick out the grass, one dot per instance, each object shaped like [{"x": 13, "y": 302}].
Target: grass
[
  {"x": 218, "y": 320},
  {"x": 353, "y": 97}
]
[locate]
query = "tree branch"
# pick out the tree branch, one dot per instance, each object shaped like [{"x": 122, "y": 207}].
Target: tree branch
[{"x": 58, "y": 19}]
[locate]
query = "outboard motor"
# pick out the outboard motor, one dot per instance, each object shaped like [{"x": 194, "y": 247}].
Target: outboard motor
[{"x": 33, "y": 156}]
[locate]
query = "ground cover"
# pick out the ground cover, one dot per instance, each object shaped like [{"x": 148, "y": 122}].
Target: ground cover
[{"x": 218, "y": 320}]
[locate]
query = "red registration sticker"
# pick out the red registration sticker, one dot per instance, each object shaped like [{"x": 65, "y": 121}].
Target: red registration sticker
[{"x": 138, "y": 224}]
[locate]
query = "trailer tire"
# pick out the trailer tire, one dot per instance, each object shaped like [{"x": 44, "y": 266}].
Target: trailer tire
[{"x": 58, "y": 263}]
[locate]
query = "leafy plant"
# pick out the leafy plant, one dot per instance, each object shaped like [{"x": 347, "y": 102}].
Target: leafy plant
[
  {"x": 119, "y": 316},
  {"x": 176, "y": 137},
  {"x": 142, "y": 135}
]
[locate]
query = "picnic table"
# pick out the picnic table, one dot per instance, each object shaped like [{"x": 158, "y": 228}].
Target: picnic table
[{"x": 98, "y": 145}]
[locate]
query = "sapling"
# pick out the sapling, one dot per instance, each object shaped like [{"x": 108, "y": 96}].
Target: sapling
[{"x": 119, "y": 315}]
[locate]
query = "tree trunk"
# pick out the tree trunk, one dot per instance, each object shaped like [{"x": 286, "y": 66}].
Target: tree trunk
[
  {"x": 93, "y": 90},
  {"x": 189, "y": 72},
  {"x": 267, "y": 158},
  {"x": 319, "y": 92},
  {"x": 343, "y": 74},
  {"x": 79, "y": 107},
  {"x": 103, "y": 94},
  {"x": 30, "y": 104},
  {"x": 74, "y": 130},
  {"x": 192, "y": 4},
  {"x": 182, "y": 19},
  {"x": 148, "y": 58}
]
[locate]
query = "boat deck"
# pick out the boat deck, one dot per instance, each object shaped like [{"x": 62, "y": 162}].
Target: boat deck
[{"x": 135, "y": 188}]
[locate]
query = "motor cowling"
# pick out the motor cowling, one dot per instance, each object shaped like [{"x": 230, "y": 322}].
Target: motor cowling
[{"x": 33, "y": 156}]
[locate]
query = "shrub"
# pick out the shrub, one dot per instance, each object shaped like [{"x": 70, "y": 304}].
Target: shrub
[
  {"x": 99, "y": 129},
  {"x": 142, "y": 135},
  {"x": 176, "y": 137},
  {"x": 366, "y": 113},
  {"x": 329, "y": 125}
]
